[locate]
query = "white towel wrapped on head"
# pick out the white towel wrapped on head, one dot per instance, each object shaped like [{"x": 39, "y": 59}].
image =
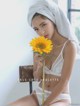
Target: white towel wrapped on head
[{"x": 52, "y": 11}]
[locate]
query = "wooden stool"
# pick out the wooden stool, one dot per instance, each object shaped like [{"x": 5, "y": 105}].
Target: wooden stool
[{"x": 26, "y": 75}]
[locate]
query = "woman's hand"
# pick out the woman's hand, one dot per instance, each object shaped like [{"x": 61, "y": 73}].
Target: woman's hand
[
  {"x": 37, "y": 75},
  {"x": 39, "y": 59}
]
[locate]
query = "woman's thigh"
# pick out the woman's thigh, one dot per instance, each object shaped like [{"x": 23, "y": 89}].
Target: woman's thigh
[
  {"x": 29, "y": 100},
  {"x": 61, "y": 103}
]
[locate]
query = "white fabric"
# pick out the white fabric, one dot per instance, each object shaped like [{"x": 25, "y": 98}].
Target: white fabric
[
  {"x": 57, "y": 64},
  {"x": 47, "y": 93},
  {"x": 55, "y": 14}
]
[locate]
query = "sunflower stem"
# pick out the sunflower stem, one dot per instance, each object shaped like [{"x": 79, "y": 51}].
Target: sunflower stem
[{"x": 43, "y": 85}]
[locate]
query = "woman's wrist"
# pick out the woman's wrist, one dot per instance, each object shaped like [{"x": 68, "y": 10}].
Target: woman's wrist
[{"x": 40, "y": 71}]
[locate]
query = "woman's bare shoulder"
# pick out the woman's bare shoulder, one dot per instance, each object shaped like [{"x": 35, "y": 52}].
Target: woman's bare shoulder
[
  {"x": 70, "y": 48},
  {"x": 69, "y": 60}
]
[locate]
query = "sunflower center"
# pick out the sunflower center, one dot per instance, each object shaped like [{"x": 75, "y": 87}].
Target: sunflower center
[{"x": 41, "y": 45}]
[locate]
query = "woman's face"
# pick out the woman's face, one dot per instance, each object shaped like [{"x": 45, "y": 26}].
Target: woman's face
[{"x": 43, "y": 26}]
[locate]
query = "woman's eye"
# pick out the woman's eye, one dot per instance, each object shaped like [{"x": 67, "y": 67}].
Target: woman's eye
[
  {"x": 43, "y": 25},
  {"x": 36, "y": 29}
]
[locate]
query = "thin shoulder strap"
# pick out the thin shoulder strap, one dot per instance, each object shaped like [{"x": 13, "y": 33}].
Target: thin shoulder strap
[{"x": 64, "y": 45}]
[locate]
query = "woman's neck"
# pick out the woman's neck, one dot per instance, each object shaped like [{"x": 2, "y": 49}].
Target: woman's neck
[{"x": 57, "y": 39}]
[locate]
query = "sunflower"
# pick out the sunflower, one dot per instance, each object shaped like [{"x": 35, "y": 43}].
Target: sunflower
[{"x": 41, "y": 45}]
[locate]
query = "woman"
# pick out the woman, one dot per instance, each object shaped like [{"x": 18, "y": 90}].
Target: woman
[{"x": 49, "y": 21}]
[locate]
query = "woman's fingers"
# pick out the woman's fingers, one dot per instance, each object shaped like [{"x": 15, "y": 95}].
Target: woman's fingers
[
  {"x": 37, "y": 55},
  {"x": 39, "y": 58}
]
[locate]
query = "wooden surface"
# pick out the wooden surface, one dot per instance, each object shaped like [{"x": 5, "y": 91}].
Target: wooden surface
[{"x": 26, "y": 73}]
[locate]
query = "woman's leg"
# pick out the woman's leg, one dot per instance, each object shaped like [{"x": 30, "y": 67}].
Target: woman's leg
[
  {"x": 61, "y": 103},
  {"x": 30, "y": 100}
]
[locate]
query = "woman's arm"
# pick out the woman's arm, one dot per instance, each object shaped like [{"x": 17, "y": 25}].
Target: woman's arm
[
  {"x": 34, "y": 63},
  {"x": 37, "y": 66},
  {"x": 69, "y": 60}
]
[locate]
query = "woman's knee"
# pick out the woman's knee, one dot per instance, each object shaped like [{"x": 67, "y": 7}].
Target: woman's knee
[
  {"x": 25, "y": 101},
  {"x": 16, "y": 103}
]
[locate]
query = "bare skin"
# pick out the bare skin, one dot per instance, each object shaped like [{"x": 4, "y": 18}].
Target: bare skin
[
  {"x": 46, "y": 27},
  {"x": 52, "y": 80},
  {"x": 51, "y": 83},
  {"x": 25, "y": 101}
]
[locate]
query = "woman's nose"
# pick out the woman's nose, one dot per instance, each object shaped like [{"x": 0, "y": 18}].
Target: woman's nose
[{"x": 42, "y": 32}]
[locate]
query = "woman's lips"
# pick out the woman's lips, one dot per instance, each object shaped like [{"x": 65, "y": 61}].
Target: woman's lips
[{"x": 46, "y": 36}]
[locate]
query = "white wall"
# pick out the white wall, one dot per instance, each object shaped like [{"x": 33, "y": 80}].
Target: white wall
[
  {"x": 75, "y": 83},
  {"x": 15, "y": 35}
]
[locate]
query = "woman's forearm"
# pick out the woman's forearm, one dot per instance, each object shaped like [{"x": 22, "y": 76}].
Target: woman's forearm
[{"x": 38, "y": 73}]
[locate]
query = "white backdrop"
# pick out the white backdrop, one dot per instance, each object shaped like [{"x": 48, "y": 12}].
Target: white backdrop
[{"x": 15, "y": 35}]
